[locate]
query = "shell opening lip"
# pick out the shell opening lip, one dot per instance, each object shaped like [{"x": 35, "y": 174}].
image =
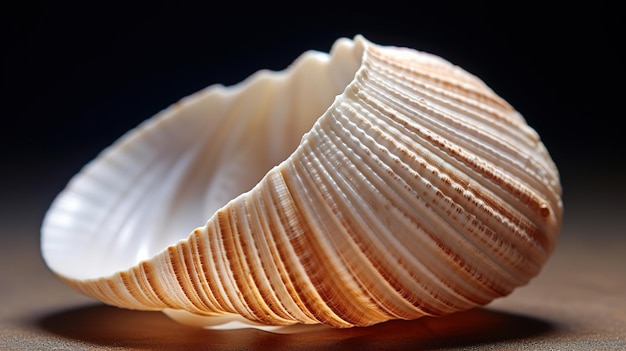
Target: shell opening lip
[{"x": 171, "y": 173}]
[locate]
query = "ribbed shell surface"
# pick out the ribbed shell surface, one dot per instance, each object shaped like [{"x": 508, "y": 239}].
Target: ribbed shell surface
[{"x": 418, "y": 191}]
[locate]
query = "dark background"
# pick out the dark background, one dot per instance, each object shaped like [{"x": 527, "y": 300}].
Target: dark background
[{"x": 75, "y": 76}]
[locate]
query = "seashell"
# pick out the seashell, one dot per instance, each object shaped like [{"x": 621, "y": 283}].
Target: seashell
[{"x": 358, "y": 186}]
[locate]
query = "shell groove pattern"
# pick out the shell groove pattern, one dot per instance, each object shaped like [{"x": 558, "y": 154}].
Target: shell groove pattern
[{"x": 368, "y": 184}]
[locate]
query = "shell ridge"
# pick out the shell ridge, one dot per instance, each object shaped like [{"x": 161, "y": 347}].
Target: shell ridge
[
  {"x": 486, "y": 174},
  {"x": 321, "y": 255},
  {"x": 196, "y": 249},
  {"x": 137, "y": 289},
  {"x": 531, "y": 139},
  {"x": 397, "y": 287},
  {"x": 413, "y": 174},
  {"x": 462, "y": 157},
  {"x": 283, "y": 255},
  {"x": 182, "y": 286},
  {"x": 403, "y": 187},
  {"x": 223, "y": 260},
  {"x": 514, "y": 126},
  {"x": 265, "y": 263},
  {"x": 309, "y": 284},
  {"x": 243, "y": 275},
  {"x": 486, "y": 114},
  {"x": 475, "y": 132},
  {"x": 206, "y": 245},
  {"x": 313, "y": 171},
  {"x": 355, "y": 149},
  {"x": 438, "y": 177},
  {"x": 440, "y": 73},
  {"x": 426, "y": 167}
]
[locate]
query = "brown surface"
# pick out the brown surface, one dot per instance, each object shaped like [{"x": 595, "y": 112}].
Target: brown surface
[{"x": 577, "y": 303}]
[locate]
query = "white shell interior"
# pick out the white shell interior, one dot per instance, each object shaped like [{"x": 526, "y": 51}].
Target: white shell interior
[{"x": 159, "y": 182}]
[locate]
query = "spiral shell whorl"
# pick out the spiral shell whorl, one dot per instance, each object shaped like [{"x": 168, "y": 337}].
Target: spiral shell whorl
[{"x": 418, "y": 192}]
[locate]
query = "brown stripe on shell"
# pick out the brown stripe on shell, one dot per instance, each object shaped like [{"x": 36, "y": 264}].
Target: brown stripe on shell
[
  {"x": 246, "y": 278},
  {"x": 378, "y": 255},
  {"x": 295, "y": 253},
  {"x": 484, "y": 133},
  {"x": 425, "y": 163},
  {"x": 321, "y": 203},
  {"x": 438, "y": 72},
  {"x": 280, "y": 291},
  {"x": 298, "y": 287},
  {"x": 196, "y": 260},
  {"x": 463, "y": 158},
  {"x": 421, "y": 167},
  {"x": 421, "y": 227},
  {"x": 318, "y": 260}
]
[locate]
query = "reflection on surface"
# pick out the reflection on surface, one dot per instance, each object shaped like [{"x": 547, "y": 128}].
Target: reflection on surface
[{"x": 110, "y": 326}]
